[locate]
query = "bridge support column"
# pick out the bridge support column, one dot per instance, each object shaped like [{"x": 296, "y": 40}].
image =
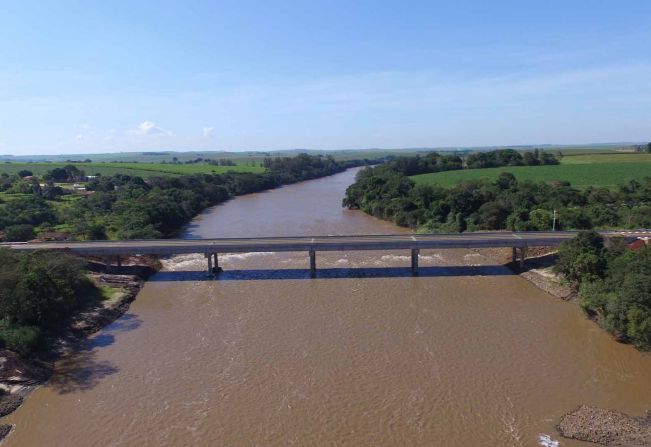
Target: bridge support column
[
  {"x": 523, "y": 255},
  {"x": 514, "y": 255},
  {"x": 414, "y": 261},
  {"x": 119, "y": 261},
  {"x": 312, "y": 263},
  {"x": 209, "y": 256},
  {"x": 216, "y": 262},
  {"x": 107, "y": 263}
]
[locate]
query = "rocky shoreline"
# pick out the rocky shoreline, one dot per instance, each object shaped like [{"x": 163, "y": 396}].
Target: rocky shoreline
[
  {"x": 19, "y": 376},
  {"x": 606, "y": 427}
]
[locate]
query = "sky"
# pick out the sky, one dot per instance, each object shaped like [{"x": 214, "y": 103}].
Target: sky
[{"x": 109, "y": 76}]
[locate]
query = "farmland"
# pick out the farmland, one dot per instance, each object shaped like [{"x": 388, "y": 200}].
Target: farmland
[
  {"x": 606, "y": 170},
  {"x": 134, "y": 169}
]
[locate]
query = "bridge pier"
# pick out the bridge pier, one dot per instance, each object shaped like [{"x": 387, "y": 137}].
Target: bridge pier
[
  {"x": 312, "y": 263},
  {"x": 414, "y": 261},
  {"x": 522, "y": 257},
  {"x": 107, "y": 263},
  {"x": 209, "y": 256},
  {"x": 119, "y": 261}
]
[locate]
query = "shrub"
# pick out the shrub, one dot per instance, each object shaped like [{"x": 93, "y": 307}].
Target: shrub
[
  {"x": 22, "y": 339},
  {"x": 16, "y": 233}
]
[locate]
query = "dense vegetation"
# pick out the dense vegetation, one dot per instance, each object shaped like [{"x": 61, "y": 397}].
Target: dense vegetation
[
  {"x": 504, "y": 203},
  {"x": 435, "y": 162},
  {"x": 613, "y": 283},
  {"x": 130, "y": 207},
  {"x": 38, "y": 292},
  {"x": 509, "y": 157},
  {"x": 580, "y": 173}
]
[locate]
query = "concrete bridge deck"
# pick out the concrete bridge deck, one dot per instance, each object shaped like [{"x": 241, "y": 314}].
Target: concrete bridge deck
[{"x": 414, "y": 242}]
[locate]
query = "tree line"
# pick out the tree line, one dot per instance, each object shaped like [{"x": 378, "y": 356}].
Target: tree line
[
  {"x": 435, "y": 162},
  {"x": 130, "y": 207},
  {"x": 505, "y": 203}
]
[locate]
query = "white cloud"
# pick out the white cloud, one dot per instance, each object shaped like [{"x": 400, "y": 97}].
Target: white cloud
[
  {"x": 79, "y": 137},
  {"x": 150, "y": 128},
  {"x": 208, "y": 132}
]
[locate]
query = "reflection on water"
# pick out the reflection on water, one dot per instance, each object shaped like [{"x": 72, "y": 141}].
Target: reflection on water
[{"x": 465, "y": 354}]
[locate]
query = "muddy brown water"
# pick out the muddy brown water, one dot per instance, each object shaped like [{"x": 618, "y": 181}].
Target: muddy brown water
[{"x": 465, "y": 355}]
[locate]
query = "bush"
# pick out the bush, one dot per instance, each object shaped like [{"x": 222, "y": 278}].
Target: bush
[
  {"x": 22, "y": 339},
  {"x": 16, "y": 233}
]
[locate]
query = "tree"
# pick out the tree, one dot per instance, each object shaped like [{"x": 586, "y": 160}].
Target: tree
[
  {"x": 540, "y": 219},
  {"x": 19, "y": 233},
  {"x": 648, "y": 147},
  {"x": 25, "y": 173},
  {"x": 582, "y": 258},
  {"x": 506, "y": 180}
]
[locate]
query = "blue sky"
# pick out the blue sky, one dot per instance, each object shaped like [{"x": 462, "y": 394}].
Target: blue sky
[{"x": 91, "y": 76}]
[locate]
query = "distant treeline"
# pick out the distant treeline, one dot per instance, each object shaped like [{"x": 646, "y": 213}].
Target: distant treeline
[
  {"x": 129, "y": 207},
  {"x": 435, "y": 162},
  {"x": 506, "y": 203}
]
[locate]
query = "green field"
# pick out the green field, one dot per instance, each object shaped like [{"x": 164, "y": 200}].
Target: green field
[
  {"x": 581, "y": 175},
  {"x": 606, "y": 158},
  {"x": 135, "y": 169}
]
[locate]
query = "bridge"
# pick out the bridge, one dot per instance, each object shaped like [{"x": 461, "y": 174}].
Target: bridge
[{"x": 210, "y": 248}]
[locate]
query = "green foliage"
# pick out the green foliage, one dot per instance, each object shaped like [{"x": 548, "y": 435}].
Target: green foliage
[
  {"x": 37, "y": 292},
  {"x": 15, "y": 233},
  {"x": 509, "y": 157},
  {"x": 620, "y": 297},
  {"x": 129, "y": 207},
  {"x": 21, "y": 339},
  {"x": 68, "y": 173},
  {"x": 582, "y": 258},
  {"x": 505, "y": 203},
  {"x": 32, "y": 210}
]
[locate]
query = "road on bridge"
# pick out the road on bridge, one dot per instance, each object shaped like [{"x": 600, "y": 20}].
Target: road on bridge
[{"x": 312, "y": 244}]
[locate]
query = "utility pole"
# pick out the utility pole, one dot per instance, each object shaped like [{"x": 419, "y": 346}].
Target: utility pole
[{"x": 554, "y": 221}]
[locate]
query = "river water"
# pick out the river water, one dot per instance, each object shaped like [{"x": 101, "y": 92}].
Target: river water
[{"x": 464, "y": 355}]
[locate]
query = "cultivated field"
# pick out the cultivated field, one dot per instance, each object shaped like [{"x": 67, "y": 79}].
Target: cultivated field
[
  {"x": 135, "y": 169},
  {"x": 606, "y": 158},
  {"x": 607, "y": 170}
]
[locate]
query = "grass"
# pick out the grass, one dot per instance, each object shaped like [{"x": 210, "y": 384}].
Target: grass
[
  {"x": 606, "y": 174},
  {"x": 134, "y": 169},
  {"x": 606, "y": 158},
  {"x": 109, "y": 293}
]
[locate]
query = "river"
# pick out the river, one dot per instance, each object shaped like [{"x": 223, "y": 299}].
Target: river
[{"x": 465, "y": 355}]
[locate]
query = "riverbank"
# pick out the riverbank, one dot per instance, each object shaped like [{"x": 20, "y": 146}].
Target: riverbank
[
  {"x": 19, "y": 376},
  {"x": 537, "y": 269},
  {"x": 586, "y": 423}
]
